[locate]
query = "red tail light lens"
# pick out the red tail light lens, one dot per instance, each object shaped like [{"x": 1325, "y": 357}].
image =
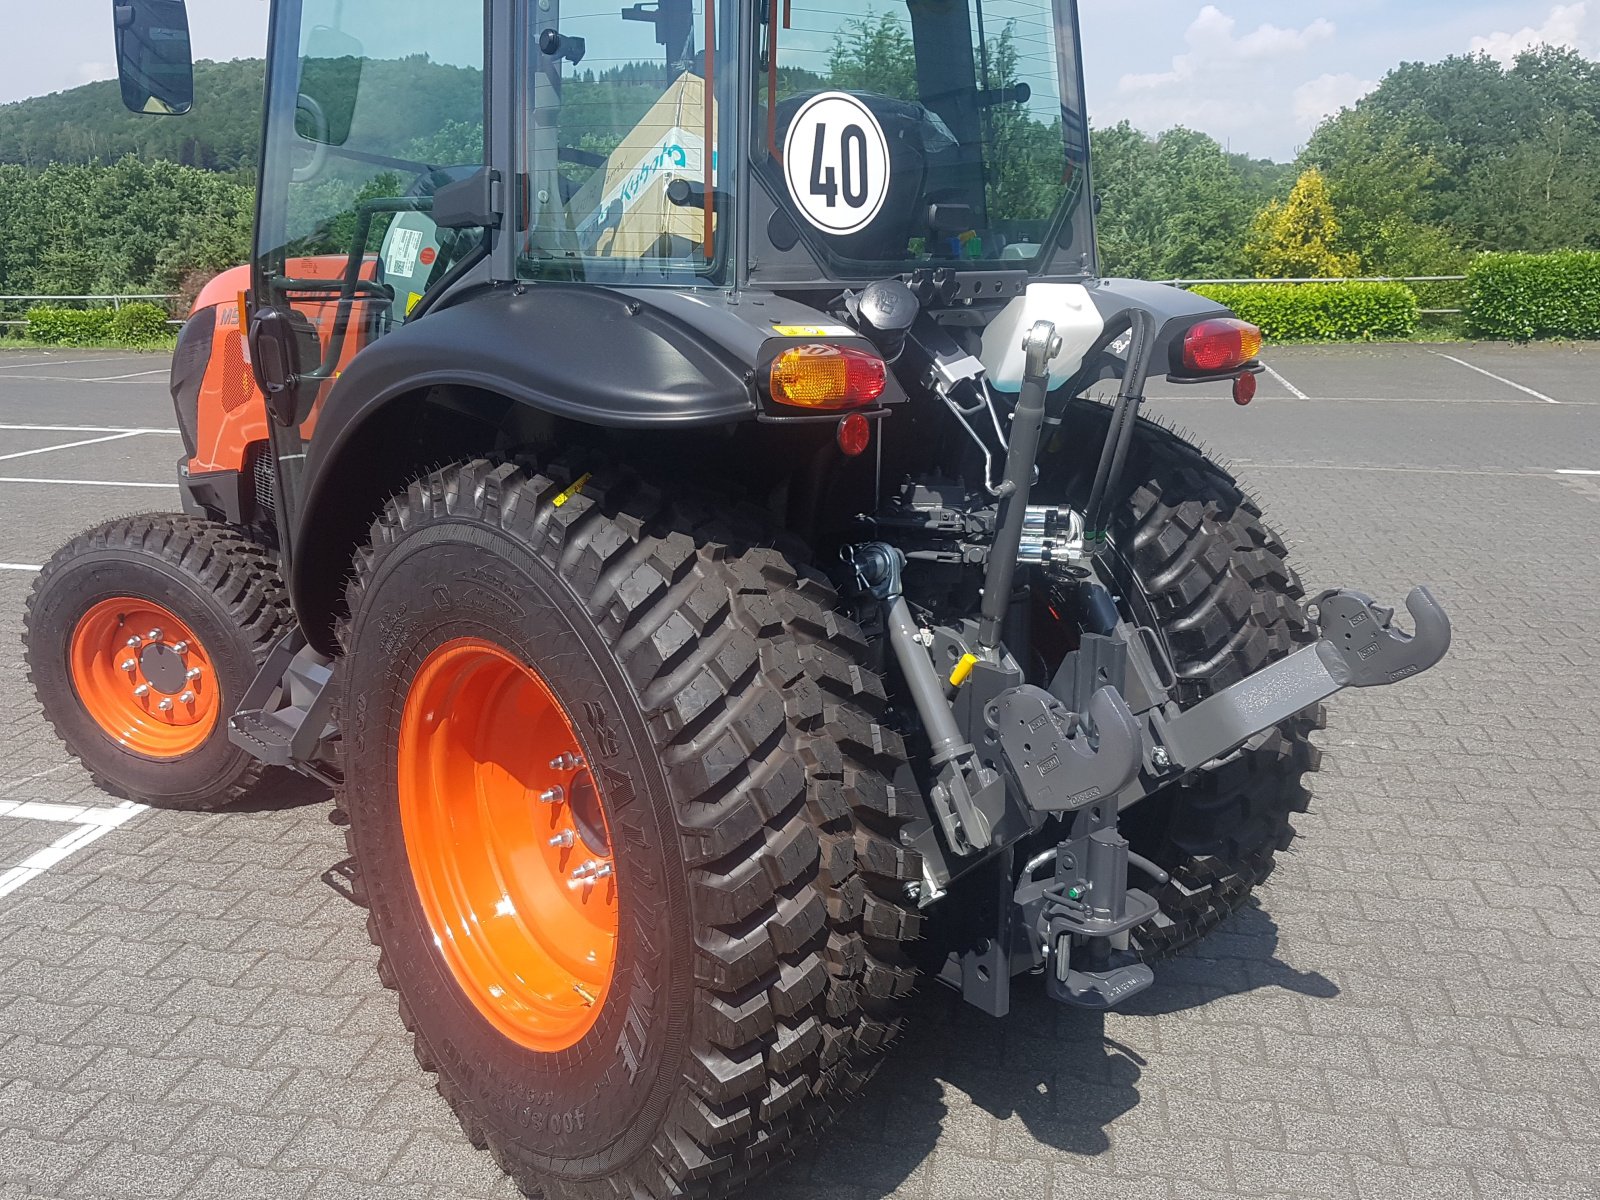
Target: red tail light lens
[
  {"x": 828, "y": 378},
  {"x": 1223, "y": 344},
  {"x": 855, "y": 435}
]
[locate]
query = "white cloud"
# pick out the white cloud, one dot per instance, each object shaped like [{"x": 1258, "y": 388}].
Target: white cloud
[
  {"x": 1326, "y": 95},
  {"x": 1571, "y": 25},
  {"x": 1215, "y": 49}
]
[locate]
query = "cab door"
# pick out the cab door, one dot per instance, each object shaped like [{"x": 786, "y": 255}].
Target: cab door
[{"x": 373, "y": 106}]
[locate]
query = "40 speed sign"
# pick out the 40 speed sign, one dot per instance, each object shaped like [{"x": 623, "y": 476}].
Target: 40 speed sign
[{"x": 836, "y": 158}]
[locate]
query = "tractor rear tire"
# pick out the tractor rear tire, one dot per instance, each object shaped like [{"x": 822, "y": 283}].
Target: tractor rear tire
[
  {"x": 1197, "y": 562},
  {"x": 618, "y": 799},
  {"x": 148, "y": 716}
]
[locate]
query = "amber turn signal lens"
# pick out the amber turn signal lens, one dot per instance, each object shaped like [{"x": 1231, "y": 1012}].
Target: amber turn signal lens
[
  {"x": 828, "y": 377},
  {"x": 1221, "y": 345}
]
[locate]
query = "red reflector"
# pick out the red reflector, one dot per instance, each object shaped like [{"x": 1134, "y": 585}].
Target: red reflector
[
  {"x": 1220, "y": 345},
  {"x": 1244, "y": 390},
  {"x": 855, "y": 435},
  {"x": 828, "y": 377}
]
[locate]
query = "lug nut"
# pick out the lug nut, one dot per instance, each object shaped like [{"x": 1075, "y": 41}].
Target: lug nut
[
  {"x": 154, "y": 635},
  {"x": 165, "y": 705},
  {"x": 186, "y": 698},
  {"x": 564, "y": 840},
  {"x": 553, "y": 795},
  {"x": 192, "y": 673},
  {"x": 589, "y": 874},
  {"x": 135, "y": 642},
  {"x": 566, "y": 762},
  {"x": 181, "y": 648},
  {"x": 142, "y": 690},
  {"x": 130, "y": 666}
]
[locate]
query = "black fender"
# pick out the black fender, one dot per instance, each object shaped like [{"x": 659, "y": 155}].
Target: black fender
[{"x": 579, "y": 352}]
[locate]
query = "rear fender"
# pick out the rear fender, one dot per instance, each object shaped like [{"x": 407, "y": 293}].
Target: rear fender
[{"x": 582, "y": 354}]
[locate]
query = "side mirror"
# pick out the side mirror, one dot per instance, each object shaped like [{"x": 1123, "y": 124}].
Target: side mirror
[
  {"x": 283, "y": 347},
  {"x": 154, "y": 57},
  {"x": 330, "y": 83}
]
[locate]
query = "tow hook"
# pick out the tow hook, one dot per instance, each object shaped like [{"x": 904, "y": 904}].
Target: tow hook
[{"x": 1358, "y": 646}]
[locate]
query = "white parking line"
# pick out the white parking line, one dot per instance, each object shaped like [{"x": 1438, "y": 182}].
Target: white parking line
[
  {"x": 134, "y": 375},
  {"x": 1576, "y": 472},
  {"x": 24, "y": 567},
  {"x": 83, "y": 429},
  {"x": 115, "y": 437},
  {"x": 1293, "y": 391},
  {"x": 110, "y": 483},
  {"x": 90, "y": 826},
  {"x": 1497, "y": 378}
]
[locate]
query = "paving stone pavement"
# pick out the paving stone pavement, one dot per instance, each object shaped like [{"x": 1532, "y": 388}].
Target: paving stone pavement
[{"x": 188, "y": 1007}]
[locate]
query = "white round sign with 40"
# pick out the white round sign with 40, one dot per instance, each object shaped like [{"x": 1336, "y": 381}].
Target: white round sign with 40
[{"x": 836, "y": 159}]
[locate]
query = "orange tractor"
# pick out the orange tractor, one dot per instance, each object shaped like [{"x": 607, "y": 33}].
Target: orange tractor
[{"x": 645, "y": 472}]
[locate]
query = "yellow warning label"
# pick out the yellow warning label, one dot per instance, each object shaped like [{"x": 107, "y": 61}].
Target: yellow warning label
[
  {"x": 813, "y": 331},
  {"x": 416, "y": 299},
  {"x": 566, "y": 497}
]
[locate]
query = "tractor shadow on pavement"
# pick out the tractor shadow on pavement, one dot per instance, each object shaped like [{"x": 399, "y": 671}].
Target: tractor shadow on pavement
[{"x": 967, "y": 1085}]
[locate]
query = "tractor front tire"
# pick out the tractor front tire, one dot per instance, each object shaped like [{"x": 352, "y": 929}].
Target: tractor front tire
[
  {"x": 141, "y": 637},
  {"x": 618, "y": 796}
]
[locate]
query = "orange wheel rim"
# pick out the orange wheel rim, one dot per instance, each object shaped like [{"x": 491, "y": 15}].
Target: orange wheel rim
[
  {"x": 144, "y": 678},
  {"x": 508, "y": 843}
]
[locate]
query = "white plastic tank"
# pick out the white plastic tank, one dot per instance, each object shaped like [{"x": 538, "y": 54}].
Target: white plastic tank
[{"x": 1076, "y": 319}]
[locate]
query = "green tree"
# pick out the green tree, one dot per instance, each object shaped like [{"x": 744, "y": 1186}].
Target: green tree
[
  {"x": 1299, "y": 238},
  {"x": 1173, "y": 207},
  {"x": 875, "y": 55}
]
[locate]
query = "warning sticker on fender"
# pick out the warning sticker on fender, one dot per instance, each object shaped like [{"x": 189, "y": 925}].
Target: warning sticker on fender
[{"x": 814, "y": 331}]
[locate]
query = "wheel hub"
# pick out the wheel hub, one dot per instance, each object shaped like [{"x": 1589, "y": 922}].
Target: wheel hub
[
  {"x": 506, "y": 837},
  {"x": 144, "y": 678},
  {"x": 163, "y": 668}
]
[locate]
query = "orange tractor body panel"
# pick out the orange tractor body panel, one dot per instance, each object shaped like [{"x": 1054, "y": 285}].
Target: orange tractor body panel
[{"x": 232, "y": 418}]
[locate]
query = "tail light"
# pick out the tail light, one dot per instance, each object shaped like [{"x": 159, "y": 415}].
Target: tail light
[
  {"x": 1223, "y": 344},
  {"x": 829, "y": 378}
]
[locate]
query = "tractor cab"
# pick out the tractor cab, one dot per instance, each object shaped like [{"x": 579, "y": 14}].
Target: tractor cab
[{"x": 682, "y": 144}]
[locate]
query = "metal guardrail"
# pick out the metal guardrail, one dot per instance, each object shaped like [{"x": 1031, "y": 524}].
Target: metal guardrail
[{"x": 1427, "y": 312}]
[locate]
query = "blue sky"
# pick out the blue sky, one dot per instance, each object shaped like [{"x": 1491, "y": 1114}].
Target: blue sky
[{"x": 1256, "y": 75}]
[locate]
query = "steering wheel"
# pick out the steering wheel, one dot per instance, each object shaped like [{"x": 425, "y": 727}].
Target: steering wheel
[{"x": 318, "y": 154}]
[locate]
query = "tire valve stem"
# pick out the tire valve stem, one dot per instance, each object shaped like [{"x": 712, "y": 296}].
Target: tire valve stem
[
  {"x": 564, "y": 840},
  {"x": 584, "y": 994},
  {"x": 566, "y": 762},
  {"x": 553, "y": 795}
]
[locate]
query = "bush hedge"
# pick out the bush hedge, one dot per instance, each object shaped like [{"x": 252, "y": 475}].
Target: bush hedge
[
  {"x": 1527, "y": 296},
  {"x": 137, "y": 326},
  {"x": 1323, "y": 312}
]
